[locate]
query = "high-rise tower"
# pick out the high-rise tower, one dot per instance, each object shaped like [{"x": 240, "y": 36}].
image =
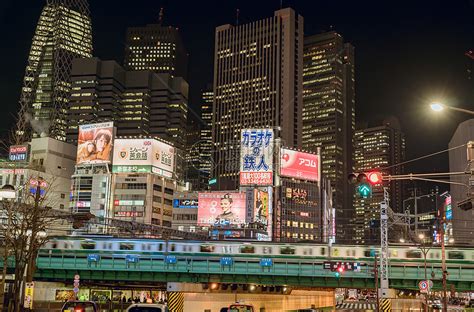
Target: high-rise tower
[
  {"x": 329, "y": 116},
  {"x": 63, "y": 33},
  {"x": 257, "y": 77}
]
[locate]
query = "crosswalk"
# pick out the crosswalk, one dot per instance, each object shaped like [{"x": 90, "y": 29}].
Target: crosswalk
[{"x": 356, "y": 306}]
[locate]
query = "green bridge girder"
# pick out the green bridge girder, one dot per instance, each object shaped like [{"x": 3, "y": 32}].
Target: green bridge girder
[{"x": 284, "y": 271}]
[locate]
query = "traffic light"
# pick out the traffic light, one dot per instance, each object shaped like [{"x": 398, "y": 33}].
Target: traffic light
[
  {"x": 340, "y": 269},
  {"x": 465, "y": 204},
  {"x": 365, "y": 181}
]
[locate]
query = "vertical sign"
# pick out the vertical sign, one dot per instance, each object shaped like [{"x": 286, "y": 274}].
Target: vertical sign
[
  {"x": 29, "y": 290},
  {"x": 77, "y": 279},
  {"x": 256, "y": 157}
]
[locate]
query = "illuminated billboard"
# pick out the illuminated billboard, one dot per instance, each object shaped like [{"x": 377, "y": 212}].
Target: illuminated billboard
[
  {"x": 143, "y": 155},
  {"x": 221, "y": 208},
  {"x": 95, "y": 143},
  {"x": 299, "y": 165},
  {"x": 261, "y": 206},
  {"x": 18, "y": 153},
  {"x": 256, "y": 157},
  {"x": 185, "y": 203}
]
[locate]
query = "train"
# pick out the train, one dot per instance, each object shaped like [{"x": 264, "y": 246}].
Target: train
[{"x": 150, "y": 246}]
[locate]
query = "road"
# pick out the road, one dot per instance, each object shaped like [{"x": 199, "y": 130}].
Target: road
[{"x": 356, "y": 306}]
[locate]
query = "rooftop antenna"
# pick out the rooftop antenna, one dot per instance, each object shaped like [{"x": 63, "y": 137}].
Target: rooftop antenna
[
  {"x": 160, "y": 16},
  {"x": 237, "y": 17}
]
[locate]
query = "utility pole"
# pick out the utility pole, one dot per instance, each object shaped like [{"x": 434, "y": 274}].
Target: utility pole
[
  {"x": 443, "y": 258},
  {"x": 384, "y": 252},
  {"x": 376, "y": 275}
]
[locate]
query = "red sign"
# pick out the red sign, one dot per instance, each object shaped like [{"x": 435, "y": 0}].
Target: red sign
[
  {"x": 221, "y": 208},
  {"x": 299, "y": 165},
  {"x": 256, "y": 178}
]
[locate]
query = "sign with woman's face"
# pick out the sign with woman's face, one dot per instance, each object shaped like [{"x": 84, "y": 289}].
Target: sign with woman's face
[
  {"x": 221, "y": 208},
  {"x": 95, "y": 143}
]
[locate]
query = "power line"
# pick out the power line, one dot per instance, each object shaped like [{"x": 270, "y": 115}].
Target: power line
[{"x": 426, "y": 156}]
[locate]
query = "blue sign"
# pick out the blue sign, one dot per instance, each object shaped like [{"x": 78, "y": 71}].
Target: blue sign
[
  {"x": 33, "y": 191},
  {"x": 93, "y": 258},
  {"x": 75, "y": 290},
  {"x": 185, "y": 203},
  {"x": 227, "y": 261},
  {"x": 212, "y": 181},
  {"x": 266, "y": 262},
  {"x": 171, "y": 259},
  {"x": 132, "y": 258}
]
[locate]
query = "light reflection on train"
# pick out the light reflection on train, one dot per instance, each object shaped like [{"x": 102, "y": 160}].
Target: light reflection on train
[{"x": 226, "y": 248}]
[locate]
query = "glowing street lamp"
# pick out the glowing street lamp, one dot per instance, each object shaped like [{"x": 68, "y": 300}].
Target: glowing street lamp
[{"x": 437, "y": 107}]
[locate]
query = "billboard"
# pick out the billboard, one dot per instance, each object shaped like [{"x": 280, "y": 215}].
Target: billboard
[
  {"x": 143, "y": 155},
  {"x": 221, "y": 208},
  {"x": 18, "y": 153},
  {"x": 299, "y": 165},
  {"x": 261, "y": 206},
  {"x": 185, "y": 203},
  {"x": 447, "y": 208},
  {"x": 256, "y": 157},
  {"x": 95, "y": 143}
]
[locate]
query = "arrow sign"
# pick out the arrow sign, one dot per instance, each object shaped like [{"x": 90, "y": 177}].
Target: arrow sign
[{"x": 364, "y": 190}]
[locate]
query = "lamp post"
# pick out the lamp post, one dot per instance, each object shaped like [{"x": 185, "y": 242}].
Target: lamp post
[{"x": 438, "y": 107}]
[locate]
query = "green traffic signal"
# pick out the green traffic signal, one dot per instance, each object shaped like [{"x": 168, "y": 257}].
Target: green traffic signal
[
  {"x": 364, "y": 190},
  {"x": 337, "y": 274}
]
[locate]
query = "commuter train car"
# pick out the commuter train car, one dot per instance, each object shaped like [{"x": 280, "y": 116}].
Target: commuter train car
[{"x": 247, "y": 249}]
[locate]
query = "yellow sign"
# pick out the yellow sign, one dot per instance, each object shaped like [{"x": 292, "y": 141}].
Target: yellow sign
[
  {"x": 175, "y": 301},
  {"x": 29, "y": 290}
]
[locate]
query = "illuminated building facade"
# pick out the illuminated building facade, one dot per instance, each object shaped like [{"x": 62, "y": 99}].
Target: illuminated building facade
[
  {"x": 63, "y": 32},
  {"x": 141, "y": 103},
  {"x": 376, "y": 148},
  {"x": 157, "y": 48},
  {"x": 257, "y": 78},
  {"x": 329, "y": 117},
  {"x": 205, "y": 146}
]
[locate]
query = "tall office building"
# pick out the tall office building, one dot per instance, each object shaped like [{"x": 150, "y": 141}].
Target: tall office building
[
  {"x": 377, "y": 148},
  {"x": 63, "y": 32},
  {"x": 257, "y": 77},
  {"x": 156, "y": 47},
  {"x": 205, "y": 146},
  {"x": 329, "y": 116},
  {"x": 141, "y": 103},
  {"x": 462, "y": 220}
]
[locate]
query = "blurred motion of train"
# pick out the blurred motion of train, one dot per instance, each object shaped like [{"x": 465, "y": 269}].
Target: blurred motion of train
[{"x": 230, "y": 248}]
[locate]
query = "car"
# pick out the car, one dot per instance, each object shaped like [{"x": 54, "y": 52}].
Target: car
[
  {"x": 147, "y": 307},
  {"x": 237, "y": 307},
  {"x": 79, "y": 306}
]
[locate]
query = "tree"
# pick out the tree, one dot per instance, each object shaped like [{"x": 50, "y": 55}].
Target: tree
[{"x": 28, "y": 218}]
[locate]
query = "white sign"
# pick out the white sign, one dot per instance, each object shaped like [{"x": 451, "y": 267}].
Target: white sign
[
  {"x": 425, "y": 286},
  {"x": 256, "y": 157},
  {"x": 143, "y": 155}
]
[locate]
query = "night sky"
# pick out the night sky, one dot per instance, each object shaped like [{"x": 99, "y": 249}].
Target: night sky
[{"x": 408, "y": 53}]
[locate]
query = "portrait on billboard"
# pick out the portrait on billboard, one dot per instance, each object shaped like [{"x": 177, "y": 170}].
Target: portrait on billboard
[
  {"x": 95, "y": 143},
  {"x": 221, "y": 208},
  {"x": 261, "y": 206}
]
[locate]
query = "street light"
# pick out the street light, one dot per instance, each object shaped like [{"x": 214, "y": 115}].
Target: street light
[
  {"x": 402, "y": 240},
  {"x": 438, "y": 107},
  {"x": 421, "y": 236}
]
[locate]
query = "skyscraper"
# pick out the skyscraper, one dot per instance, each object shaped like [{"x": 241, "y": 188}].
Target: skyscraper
[
  {"x": 205, "y": 145},
  {"x": 329, "y": 116},
  {"x": 462, "y": 220},
  {"x": 257, "y": 78},
  {"x": 141, "y": 103},
  {"x": 156, "y": 47},
  {"x": 63, "y": 32},
  {"x": 377, "y": 148}
]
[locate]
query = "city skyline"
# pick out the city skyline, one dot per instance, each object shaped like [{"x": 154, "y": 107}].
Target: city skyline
[{"x": 440, "y": 74}]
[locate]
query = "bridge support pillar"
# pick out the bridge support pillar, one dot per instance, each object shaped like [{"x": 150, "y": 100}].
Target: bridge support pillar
[{"x": 175, "y": 301}]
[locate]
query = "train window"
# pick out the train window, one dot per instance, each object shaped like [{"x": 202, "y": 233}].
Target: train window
[
  {"x": 146, "y": 247},
  {"x": 160, "y": 247},
  {"x": 247, "y": 249},
  {"x": 367, "y": 253},
  {"x": 323, "y": 251},
  {"x": 67, "y": 245},
  {"x": 455, "y": 255},
  {"x": 287, "y": 250},
  {"x": 207, "y": 248},
  {"x": 267, "y": 250},
  {"x": 173, "y": 247},
  {"x": 350, "y": 253},
  {"x": 308, "y": 251},
  {"x": 88, "y": 245},
  {"x": 54, "y": 245},
  {"x": 126, "y": 246},
  {"x": 414, "y": 254},
  {"x": 335, "y": 252}
]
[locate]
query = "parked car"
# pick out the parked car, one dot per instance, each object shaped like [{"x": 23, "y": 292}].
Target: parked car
[
  {"x": 79, "y": 306},
  {"x": 147, "y": 307}
]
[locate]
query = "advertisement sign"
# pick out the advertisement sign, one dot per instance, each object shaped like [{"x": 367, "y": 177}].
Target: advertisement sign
[
  {"x": 143, "y": 155},
  {"x": 299, "y": 196},
  {"x": 18, "y": 153},
  {"x": 299, "y": 165},
  {"x": 95, "y": 143},
  {"x": 185, "y": 203},
  {"x": 119, "y": 202},
  {"x": 256, "y": 157},
  {"x": 128, "y": 213},
  {"x": 447, "y": 208},
  {"x": 221, "y": 208},
  {"x": 29, "y": 291},
  {"x": 261, "y": 206}
]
